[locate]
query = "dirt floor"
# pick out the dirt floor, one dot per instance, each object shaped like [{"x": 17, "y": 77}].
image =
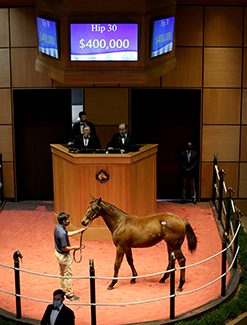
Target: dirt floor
[{"x": 28, "y": 227}]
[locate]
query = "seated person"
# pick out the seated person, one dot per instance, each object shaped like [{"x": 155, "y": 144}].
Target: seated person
[
  {"x": 78, "y": 127},
  {"x": 86, "y": 140},
  {"x": 122, "y": 140}
]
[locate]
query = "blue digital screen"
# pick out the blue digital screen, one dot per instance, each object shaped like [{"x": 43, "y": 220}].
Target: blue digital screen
[
  {"x": 47, "y": 37},
  {"x": 104, "y": 42},
  {"x": 162, "y": 40}
]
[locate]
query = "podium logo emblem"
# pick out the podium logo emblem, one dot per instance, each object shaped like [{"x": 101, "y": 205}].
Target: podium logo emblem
[{"x": 102, "y": 176}]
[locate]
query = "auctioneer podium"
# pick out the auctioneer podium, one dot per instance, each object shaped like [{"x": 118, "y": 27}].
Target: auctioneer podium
[{"x": 127, "y": 181}]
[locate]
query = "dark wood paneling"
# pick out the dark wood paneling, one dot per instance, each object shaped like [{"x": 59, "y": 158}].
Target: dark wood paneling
[
  {"x": 41, "y": 117},
  {"x": 166, "y": 117}
]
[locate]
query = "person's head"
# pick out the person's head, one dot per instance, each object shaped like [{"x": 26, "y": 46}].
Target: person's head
[
  {"x": 83, "y": 116},
  {"x": 63, "y": 219},
  {"x": 86, "y": 130},
  {"x": 58, "y": 297},
  {"x": 189, "y": 143},
  {"x": 122, "y": 127}
]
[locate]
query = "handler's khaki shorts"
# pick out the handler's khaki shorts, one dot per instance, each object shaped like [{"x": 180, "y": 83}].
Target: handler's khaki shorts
[{"x": 64, "y": 269}]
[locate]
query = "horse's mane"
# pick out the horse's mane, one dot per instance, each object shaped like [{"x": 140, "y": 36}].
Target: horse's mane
[{"x": 113, "y": 206}]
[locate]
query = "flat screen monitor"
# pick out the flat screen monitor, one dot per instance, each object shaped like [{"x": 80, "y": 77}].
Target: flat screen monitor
[
  {"x": 47, "y": 37},
  {"x": 162, "y": 36},
  {"x": 104, "y": 42}
]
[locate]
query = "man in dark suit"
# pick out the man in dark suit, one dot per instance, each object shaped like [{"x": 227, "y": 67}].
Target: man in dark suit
[
  {"x": 188, "y": 160},
  {"x": 78, "y": 127},
  {"x": 122, "y": 140},
  {"x": 87, "y": 140},
  {"x": 57, "y": 313}
]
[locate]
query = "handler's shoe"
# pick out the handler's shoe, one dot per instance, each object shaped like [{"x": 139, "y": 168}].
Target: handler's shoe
[{"x": 72, "y": 298}]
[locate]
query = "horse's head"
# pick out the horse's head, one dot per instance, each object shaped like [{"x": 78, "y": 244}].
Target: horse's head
[{"x": 93, "y": 211}]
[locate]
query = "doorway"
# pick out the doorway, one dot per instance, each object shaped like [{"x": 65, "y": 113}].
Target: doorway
[
  {"x": 167, "y": 117},
  {"x": 41, "y": 117}
]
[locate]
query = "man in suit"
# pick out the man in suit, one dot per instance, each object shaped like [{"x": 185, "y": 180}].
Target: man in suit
[
  {"x": 57, "y": 313},
  {"x": 122, "y": 140},
  {"x": 188, "y": 160},
  {"x": 86, "y": 140},
  {"x": 79, "y": 126}
]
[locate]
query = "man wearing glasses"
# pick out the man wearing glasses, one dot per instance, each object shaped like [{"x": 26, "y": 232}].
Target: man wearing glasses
[{"x": 122, "y": 140}]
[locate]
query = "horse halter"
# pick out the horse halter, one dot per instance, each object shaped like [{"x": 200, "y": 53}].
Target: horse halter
[
  {"x": 82, "y": 245},
  {"x": 94, "y": 216}
]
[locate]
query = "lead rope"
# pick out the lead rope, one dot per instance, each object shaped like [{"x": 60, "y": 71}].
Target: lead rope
[{"x": 82, "y": 246}]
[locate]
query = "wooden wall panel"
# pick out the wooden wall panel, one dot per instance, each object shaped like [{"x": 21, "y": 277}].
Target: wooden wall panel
[
  {"x": 188, "y": 72},
  {"x": 220, "y": 139},
  {"x": 150, "y": 83},
  {"x": 23, "y": 69},
  {"x": 142, "y": 177},
  {"x": 4, "y": 68},
  {"x": 189, "y": 26},
  {"x": 4, "y": 28},
  {"x": 245, "y": 27},
  {"x": 245, "y": 69},
  {"x": 243, "y": 152},
  {"x": 221, "y": 106},
  {"x": 243, "y": 181},
  {"x": 223, "y": 26},
  {"x": 23, "y": 30},
  {"x": 231, "y": 178},
  {"x": 222, "y": 67},
  {"x": 58, "y": 84},
  {"x": 244, "y": 106},
  {"x": 5, "y": 104},
  {"x": 105, "y": 133},
  {"x": 206, "y": 180},
  {"x": 106, "y": 106},
  {"x": 119, "y": 174},
  {"x": 8, "y": 180},
  {"x": 64, "y": 178},
  {"x": 6, "y": 144}
]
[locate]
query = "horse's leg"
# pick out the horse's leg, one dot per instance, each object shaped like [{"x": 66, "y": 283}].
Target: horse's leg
[
  {"x": 181, "y": 261},
  {"x": 118, "y": 261},
  {"x": 166, "y": 275},
  {"x": 131, "y": 264}
]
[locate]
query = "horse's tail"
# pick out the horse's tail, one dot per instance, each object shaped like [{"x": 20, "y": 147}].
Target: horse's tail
[{"x": 191, "y": 237}]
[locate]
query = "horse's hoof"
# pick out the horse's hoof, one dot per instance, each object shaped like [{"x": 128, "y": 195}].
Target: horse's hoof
[
  {"x": 161, "y": 281},
  {"x": 179, "y": 289},
  {"x": 133, "y": 281},
  {"x": 109, "y": 288}
]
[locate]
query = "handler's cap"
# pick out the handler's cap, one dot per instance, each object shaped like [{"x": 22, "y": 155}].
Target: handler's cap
[{"x": 62, "y": 216}]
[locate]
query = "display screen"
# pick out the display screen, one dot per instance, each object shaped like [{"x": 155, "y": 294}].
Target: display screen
[
  {"x": 104, "y": 42},
  {"x": 162, "y": 37},
  {"x": 47, "y": 37}
]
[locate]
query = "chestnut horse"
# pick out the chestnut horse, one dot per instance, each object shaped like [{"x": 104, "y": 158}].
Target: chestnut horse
[{"x": 132, "y": 231}]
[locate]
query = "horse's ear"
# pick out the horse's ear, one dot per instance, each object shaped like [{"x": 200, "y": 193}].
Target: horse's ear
[
  {"x": 99, "y": 200},
  {"x": 92, "y": 197}
]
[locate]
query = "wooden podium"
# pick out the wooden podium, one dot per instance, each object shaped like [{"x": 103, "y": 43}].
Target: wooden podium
[{"x": 127, "y": 181}]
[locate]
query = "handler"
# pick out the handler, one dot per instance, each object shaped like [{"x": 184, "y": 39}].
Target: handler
[{"x": 62, "y": 253}]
